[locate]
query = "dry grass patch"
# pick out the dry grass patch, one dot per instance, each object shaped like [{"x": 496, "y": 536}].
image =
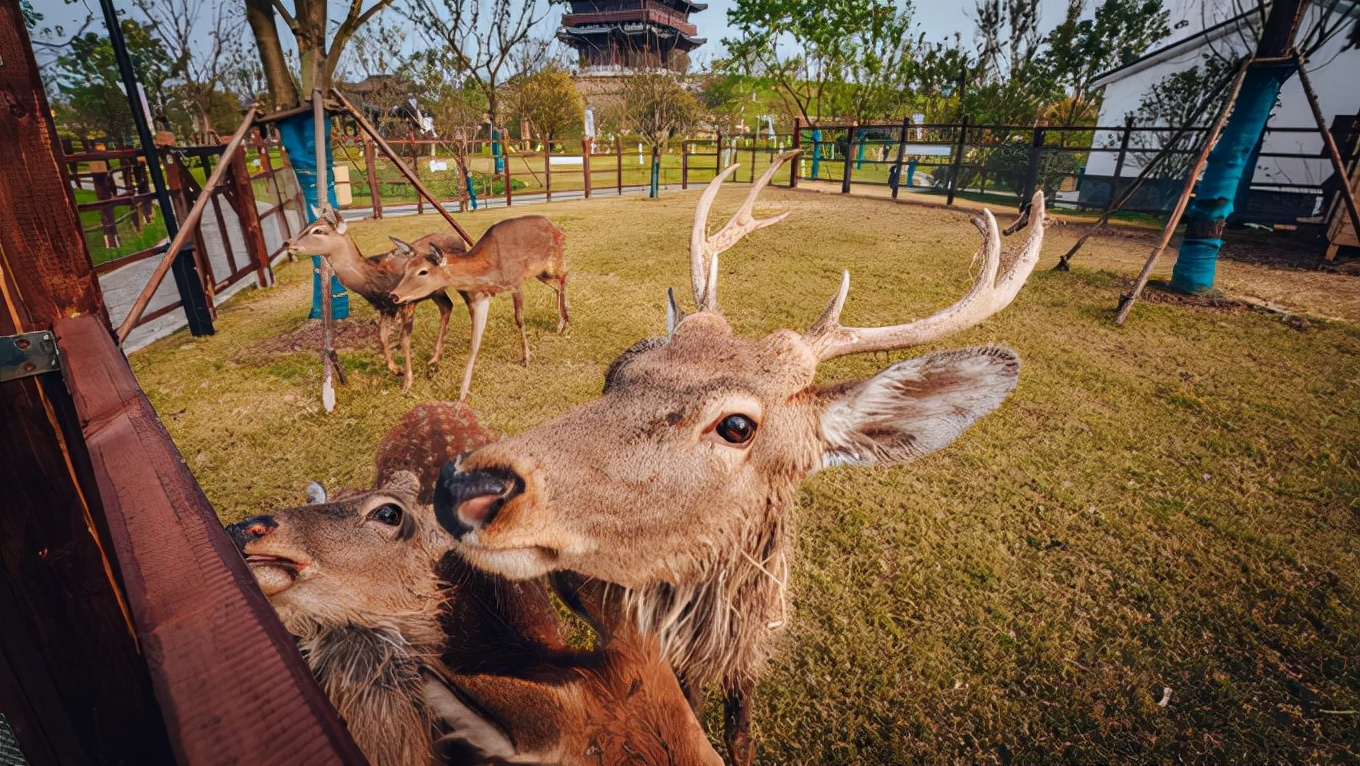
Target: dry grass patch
[{"x": 1170, "y": 504}]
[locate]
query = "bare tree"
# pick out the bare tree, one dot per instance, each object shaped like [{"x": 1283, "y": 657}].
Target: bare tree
[
  {"x": 490, "y": 41},
  {"x": 204, "y": 43},
  {"x": 655, "y": 107},
  {"x": 318, "y": 57}
]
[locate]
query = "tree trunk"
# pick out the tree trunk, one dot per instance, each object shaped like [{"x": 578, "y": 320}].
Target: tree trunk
[
  {"x": 654, "y": 190},
  {"x": 282, "y": 92},
  {"x": 1231, "y": 158}
]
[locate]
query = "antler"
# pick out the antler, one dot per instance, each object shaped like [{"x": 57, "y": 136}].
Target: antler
[
  {"x": 703, "y": 249},
  {"x": 994, "y": 290}
]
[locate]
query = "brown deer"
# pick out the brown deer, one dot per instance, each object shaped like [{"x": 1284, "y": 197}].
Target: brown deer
[
  {"x": 508, "y": 253},
  {"x": 374, "y": 277},
  {"x": 679, "y": 482},
  {"x": 430, "y": 661}
]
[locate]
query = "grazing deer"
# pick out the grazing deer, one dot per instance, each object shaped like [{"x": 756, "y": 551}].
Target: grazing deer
[
  {"x": 679, "y": 482},
  {"x": 507, "y": 254},
  {"x": 430, "y": 661},
  {"x": 374, "y": 277}
]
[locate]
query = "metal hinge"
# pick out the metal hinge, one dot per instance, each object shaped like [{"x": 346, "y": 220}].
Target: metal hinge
[{"x": 28, "y": 354}]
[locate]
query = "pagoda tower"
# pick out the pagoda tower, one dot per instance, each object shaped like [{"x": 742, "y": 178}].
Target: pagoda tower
[{"x": 631, "y": 34}]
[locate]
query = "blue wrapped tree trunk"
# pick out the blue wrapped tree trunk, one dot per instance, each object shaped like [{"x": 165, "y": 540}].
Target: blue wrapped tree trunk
[
  {"x": 1231, "y": 159},
  {"x": 298, "y": 136}
]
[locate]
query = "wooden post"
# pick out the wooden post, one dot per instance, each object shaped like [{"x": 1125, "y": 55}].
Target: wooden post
[
  {"x": 1119, "y": 160},
  {"x": 268, "y": 166},
  {"x": 250, "y": 218},
  {"x": 547, "y": 171},
  {"x": 753, "y": 158},
  {"x": 371, "y": 170},
  {"x": 1126, "y": 303},
  {"x": 1036, "y": 150},
  {"x": 505, "y": 155},
  {"x": 386, "y": 149},
  {"x": 896, "y": 170},
  {"x": 585, "y": 164},
  {"x": 415, "y": 170},
  {"x": 797, "y": 146},
  {"x": 849, "y": 158},
  {"x": 718, "y": 155},
  {"x": 957, "y": 163},
  {"x": 104, "y": 190},
  {"x": 328, "y": 366},
  {"x": 618, "y": 159},
  {"x": 684, "y": 164}
]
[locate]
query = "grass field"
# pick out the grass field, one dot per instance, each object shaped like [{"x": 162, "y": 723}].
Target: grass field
[{"x": 1167, "y": 506}]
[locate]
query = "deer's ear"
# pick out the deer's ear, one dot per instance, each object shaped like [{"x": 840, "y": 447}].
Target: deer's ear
[
  {"x": 914, "y": 407},
  {"x": 436, "y": 256},
  {"x": 339, "y": 223},
  {"x": 403, "y": 247},
  {"x": 316, "y": 494}
]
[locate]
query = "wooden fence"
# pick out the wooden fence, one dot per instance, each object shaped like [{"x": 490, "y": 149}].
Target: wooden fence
[{"x": 121, "y": 223}]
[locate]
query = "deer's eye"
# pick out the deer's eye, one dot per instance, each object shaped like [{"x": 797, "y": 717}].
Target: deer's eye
[
  {"x": 422, "y": 272},
  {"x": 389, "y": 514},
  {"x": 736, "y": 429}
]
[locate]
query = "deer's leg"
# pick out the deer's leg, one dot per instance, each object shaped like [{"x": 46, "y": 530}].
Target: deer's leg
[
  {"x": 518, "y": 296},
  {"x": 441, "y": 299},
  {"x": 479, "y": 310},
  {"x": 558, "y": 282},
  {"x": 408, "y": 321},
  {"x": 737, "y": 722},
  {"x": 384, "y": 341}
]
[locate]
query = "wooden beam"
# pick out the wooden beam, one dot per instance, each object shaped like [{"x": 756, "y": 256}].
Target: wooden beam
[{"x": 401, "y": 166}]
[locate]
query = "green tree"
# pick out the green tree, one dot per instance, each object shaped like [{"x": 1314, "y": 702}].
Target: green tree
[
  {"x": 828, "y": 58},
  {"x": 91, "y": 87},
  {"x": 1081, "y": 49},
  {"x": 550, "y": 102},
  {"x": 655, "y": 107}
]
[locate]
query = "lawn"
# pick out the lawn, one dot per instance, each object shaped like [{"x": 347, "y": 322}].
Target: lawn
[{"x": 1150, "y": 553}]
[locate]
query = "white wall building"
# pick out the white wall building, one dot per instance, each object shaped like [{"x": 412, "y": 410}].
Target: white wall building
[{"x": 1225, "y": 27}]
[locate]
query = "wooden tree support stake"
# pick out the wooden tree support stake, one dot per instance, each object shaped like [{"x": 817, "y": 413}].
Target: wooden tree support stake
[
  {"x": 386, "y": 149},
  {"x": 187, "y": 227},
  {"x": 1347, "y": 193},
  {"x": 329, "y": 361},
  {"x": 1126, "y": 304}
]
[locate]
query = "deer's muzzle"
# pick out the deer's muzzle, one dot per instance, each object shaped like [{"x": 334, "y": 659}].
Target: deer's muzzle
[{"x": 465, "y": 501}]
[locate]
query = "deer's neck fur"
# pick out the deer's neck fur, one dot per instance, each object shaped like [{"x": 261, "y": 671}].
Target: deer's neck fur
[
  {"x": 350, "y": 265},
  {"x": 725, "y": 625},
  {"x": 373, "y": 671}
]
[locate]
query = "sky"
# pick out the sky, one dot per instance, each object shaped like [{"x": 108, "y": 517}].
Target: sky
[{"x": 938, "y": 19}]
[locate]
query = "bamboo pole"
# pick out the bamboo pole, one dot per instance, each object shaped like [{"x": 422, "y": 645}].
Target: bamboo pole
[
  {"x": 1126, "y": 305},
  {"x": 401, "y": 166},
  {"x": 1347, "y": 194},
  {"x": 186, "y": 228},
  {"x": 328, "y": 365}
]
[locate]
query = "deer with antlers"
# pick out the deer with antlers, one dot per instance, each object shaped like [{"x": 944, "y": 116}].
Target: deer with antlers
[
  {"x": 374, "y": 277},
  {"x": 431, "y": 661},
  {"x": 510, "y": 252},
  {"x": 679, "y": 482}
]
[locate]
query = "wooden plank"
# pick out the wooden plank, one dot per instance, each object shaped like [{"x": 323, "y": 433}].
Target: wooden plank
[{"x": 232, "y": 686}]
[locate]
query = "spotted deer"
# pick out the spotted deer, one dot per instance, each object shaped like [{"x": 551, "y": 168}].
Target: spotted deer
[
  {"x": 510, "y": 252},
  {"x": 679, "y": 482},
  {"x": 374, "y": 277},
  {"x": 429, "y": 660}
]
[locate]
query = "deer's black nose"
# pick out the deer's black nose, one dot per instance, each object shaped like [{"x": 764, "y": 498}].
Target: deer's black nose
[
  {"x": 243, "y": 532},
  {"x": 469, "y": 500}
]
